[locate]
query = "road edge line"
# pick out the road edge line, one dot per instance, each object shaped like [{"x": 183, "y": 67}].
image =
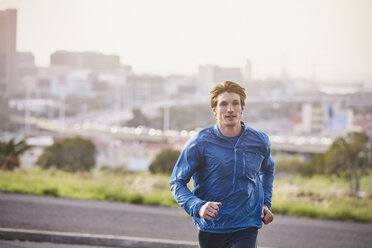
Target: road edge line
[{"x": 91, "y": 239}]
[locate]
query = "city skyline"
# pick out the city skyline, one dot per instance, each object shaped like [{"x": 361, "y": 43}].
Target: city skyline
[{"x": 329, "y": 40}]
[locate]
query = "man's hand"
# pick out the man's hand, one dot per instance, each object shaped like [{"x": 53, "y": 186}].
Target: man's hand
[
  {"x": 266, "y": 215},
  {"x": 209, "y": 210}
]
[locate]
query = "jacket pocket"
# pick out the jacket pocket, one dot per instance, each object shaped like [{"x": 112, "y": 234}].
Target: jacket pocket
[{"x": 252, "y": 162}]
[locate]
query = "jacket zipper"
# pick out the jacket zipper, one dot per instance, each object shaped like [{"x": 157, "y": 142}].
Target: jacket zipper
[
  {"x": 244, "y": 163},
  {"x": 235, "y": 150},
  {"x": 234, "y": 165}
]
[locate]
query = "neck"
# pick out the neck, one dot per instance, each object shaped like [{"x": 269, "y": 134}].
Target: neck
[{"x": 230, "y": 131}]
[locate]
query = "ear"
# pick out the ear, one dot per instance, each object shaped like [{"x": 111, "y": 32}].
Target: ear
[{"x": 214, "y": 111}]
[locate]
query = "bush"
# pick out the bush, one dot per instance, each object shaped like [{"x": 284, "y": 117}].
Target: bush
[
  {"x": 51, "y": 192},
  {"x": 75, "y": 154},
  {"x": 293, "y": 165},
  {"x": 164, "y": 162}
]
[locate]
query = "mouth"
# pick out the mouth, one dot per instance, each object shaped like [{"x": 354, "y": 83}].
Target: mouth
[{"x": 230, "y": 116}]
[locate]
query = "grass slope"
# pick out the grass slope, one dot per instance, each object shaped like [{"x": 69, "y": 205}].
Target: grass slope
[{"x": 317, "y": 197}]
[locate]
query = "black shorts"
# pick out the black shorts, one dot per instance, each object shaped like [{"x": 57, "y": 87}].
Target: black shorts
[{"x": 246, "y": 238}]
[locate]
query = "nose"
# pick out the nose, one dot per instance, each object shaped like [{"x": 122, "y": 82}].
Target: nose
[{"x": 230, "y": 108}]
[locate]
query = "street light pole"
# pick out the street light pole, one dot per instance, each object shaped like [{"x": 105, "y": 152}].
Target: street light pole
[
  {"x": 369, "y": 151},
  {"x": 166, "y": 117},
  {"x": 62, "y": 117},
  {"x": 27, "y": 109}
]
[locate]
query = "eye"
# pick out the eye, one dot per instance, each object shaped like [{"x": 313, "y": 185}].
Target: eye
[{"x": 223, "y": 103}]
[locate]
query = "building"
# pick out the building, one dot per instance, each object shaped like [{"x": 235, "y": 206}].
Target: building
[
  {"x": 25, "y": 60},
  {"x": 182, "y": 87},
  {"x": 85, "y": 60},
  {"x": 142, "y": 89},
  {"x": 210, "y": 75},
  {"x": 326, "y": 118},
  {"x": 313, "y": 121},
  {"x": 25, "y": 66},
  {"x": 77, "y": 83},
  {"x": 8, "y": 51}
]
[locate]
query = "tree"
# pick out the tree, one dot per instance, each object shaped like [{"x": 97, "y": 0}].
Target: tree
[
  {"x": 139, "y": 119},
  {"x": 348, "y": 156},
  {"x": 10, "y": 152},
  {"x": 74, "y": 154},
  {"x": 7, "y": 115},
  {"x": 164, "y": 161}
]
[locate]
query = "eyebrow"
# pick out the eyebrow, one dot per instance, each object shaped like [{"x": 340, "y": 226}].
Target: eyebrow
[{"x": 234, "y": 101}]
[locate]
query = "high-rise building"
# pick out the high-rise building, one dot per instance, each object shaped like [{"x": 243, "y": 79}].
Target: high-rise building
[
  {"x": 247, "y": 71},
  {"x": 8, "y": 51},
  {"x": 210, "y": 75}
]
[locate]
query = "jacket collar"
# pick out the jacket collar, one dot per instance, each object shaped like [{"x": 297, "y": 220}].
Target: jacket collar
[{"x": 219, "y": 134}]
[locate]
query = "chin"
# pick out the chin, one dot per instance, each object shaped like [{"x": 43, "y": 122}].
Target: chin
[{"x": 231, "y": 124}]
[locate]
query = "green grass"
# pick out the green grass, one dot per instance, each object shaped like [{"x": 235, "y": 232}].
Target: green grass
[
  {"x": 321, "y": 197},
  {"x": 317, "y": 197},
  {"x": 138, "y": 188}
]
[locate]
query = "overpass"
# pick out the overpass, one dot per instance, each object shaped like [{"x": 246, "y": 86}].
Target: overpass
[{"x": 307, "y": 145}]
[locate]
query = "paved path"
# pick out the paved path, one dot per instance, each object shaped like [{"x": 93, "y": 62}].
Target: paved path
[{"x": 121, "y": 219}]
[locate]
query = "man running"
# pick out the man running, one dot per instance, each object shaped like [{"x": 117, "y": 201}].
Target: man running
[{"x": 233, "y": 173}]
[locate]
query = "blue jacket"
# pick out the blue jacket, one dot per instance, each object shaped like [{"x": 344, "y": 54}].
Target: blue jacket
[{"x": 240, "y": 177}]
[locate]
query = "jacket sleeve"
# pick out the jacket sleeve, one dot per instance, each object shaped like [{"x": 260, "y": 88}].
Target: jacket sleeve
[
  {"x": 267, "y": 173},
  {"x": 188, "y": 162}
]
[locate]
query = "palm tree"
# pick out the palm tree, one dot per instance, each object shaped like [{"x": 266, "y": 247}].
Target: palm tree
[{"x": 10, "y": 152}]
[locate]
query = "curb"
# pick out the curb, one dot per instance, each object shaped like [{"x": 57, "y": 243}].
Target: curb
[{"x": 91, "y": 239}]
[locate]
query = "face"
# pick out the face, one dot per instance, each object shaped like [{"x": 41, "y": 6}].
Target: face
[{"x": 228, "y": 110}]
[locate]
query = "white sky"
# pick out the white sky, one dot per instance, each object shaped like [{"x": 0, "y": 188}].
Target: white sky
[{"x": 175, "y": 37}]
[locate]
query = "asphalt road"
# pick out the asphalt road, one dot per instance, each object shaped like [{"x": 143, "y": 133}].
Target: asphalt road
[
  {"x": 17, "y": 244},
  {"x": 111, "y": 218}
]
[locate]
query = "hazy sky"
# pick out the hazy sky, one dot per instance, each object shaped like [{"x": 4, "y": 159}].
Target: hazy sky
[{"x": 331, "y": 37}]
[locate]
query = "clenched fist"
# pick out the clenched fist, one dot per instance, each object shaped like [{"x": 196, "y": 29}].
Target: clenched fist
[
  {"x": 266, "y": 215},
  {"x": 209, "y": 210}
]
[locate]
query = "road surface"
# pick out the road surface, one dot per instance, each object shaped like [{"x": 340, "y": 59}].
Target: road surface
[
  {"x": 112, "y": 218},
  {"x": 17, "y": 244}
]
